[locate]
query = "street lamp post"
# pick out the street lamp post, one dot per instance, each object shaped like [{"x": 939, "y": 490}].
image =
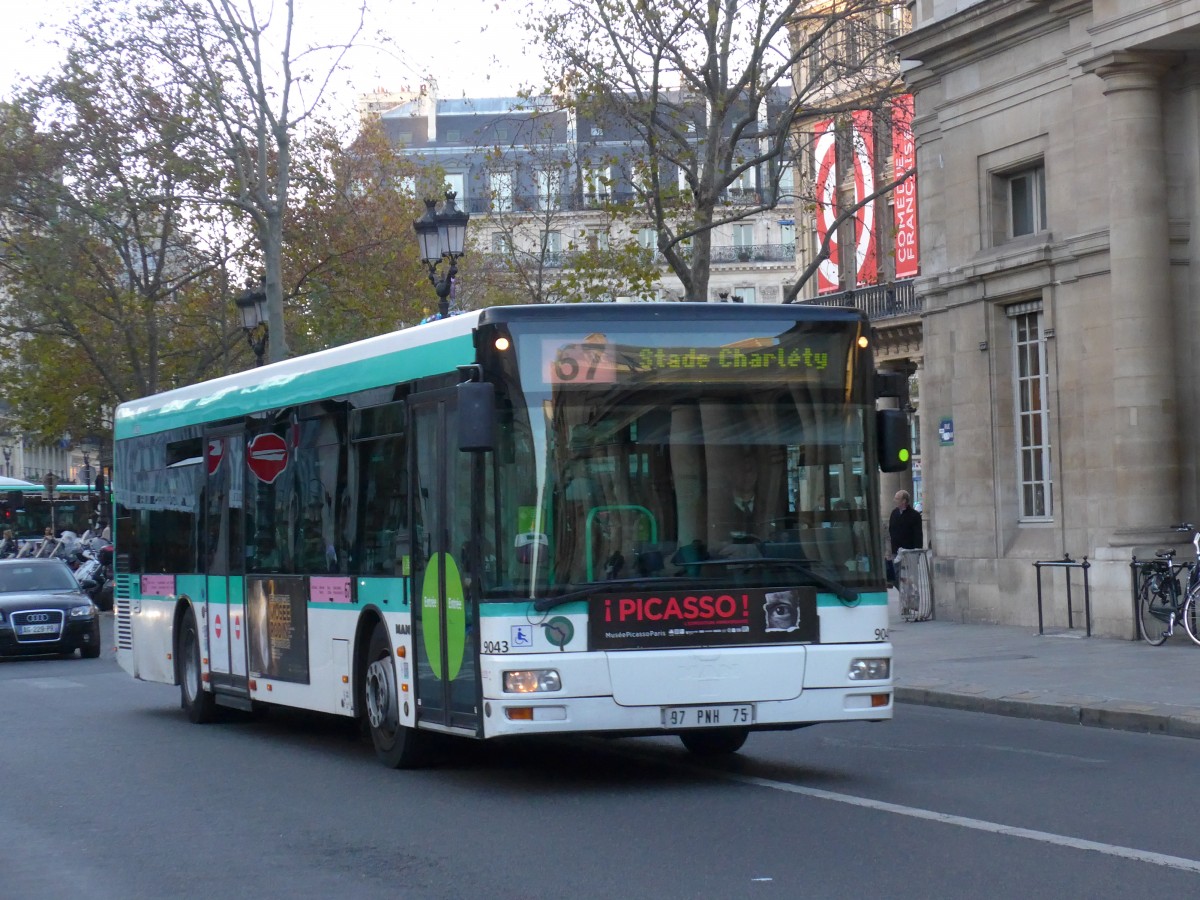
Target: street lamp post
[
  {"x": 442, "y": 235},
  {"x": 8, "y": 459},
  {"x": 86, "y": 470},
  {"x": 252, "y": 304}
]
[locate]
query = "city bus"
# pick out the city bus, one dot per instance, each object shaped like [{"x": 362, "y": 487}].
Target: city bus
[
  {"x": 30, "y": 510},
  {"x": 603, "y": 519}
]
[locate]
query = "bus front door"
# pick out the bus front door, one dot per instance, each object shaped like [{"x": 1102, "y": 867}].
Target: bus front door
[
  {"x": 443, "y": 616},
  {"x": 225, "y": 562}
]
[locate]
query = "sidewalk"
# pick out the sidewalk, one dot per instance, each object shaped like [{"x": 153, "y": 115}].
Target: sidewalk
[{"x": 1060, "y": 676}]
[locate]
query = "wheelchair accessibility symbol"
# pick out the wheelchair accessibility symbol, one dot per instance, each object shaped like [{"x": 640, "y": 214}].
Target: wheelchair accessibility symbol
[{"x": 522, "y": 636}]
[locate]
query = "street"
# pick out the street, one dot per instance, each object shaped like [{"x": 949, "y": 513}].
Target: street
[{"x": 109, "y": 792}]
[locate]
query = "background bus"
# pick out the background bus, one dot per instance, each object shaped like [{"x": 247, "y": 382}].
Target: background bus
[
  {"x": 29, "y": 511},
  {"x": 619, "y": 519}
]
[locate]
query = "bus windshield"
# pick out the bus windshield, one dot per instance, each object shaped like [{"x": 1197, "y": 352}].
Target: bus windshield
[{"x": 731, "y": 456}]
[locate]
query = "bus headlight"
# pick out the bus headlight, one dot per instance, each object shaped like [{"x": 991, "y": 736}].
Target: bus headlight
[
  {"x": 870, "y": 669},
  {"x": 529, "y": 681}
]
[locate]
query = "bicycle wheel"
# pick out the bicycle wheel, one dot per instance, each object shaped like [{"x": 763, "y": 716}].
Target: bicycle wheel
[
  {"x": 1154, "y": 608},
  {"x": 1191, "y": 615}
]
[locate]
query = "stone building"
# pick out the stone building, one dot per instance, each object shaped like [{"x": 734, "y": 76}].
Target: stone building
[{"x": 1060, "y": 184}]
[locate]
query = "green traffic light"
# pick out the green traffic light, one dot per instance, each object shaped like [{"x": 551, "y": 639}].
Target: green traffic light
[{"x": 903, "y": 456}]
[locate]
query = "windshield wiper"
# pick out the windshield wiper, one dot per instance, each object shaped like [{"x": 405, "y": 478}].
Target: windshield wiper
[
  {"x": 544, "y": 603},
  {"x": 843, "y": 593}
]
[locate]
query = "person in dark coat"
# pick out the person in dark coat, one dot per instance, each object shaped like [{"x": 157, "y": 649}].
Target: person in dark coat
[{"x": 904, "y": 530}]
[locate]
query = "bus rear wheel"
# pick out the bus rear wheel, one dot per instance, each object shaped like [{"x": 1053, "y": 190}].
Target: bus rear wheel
[
  {"x": 717, "y": 742},
  {"x": 396, "y": 745},
  {"x": 196, "y": 702}
]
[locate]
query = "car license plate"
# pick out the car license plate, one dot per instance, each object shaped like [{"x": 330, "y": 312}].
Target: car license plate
[
  {"x": 39, "y": 629},
  {"x": 707, "y": 716}
]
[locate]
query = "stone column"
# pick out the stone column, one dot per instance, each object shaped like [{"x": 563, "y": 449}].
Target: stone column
[{"x": 1145, "y": 444}]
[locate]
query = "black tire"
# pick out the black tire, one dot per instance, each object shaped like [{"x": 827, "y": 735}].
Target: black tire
[
  {"x": 196, "y": 702},
  {"x": 90, "y": 651},
  {"x": 1154, "y": 608},
  {"x": 397, "y": 746},
  {"x": 714, "y": 742},
  {"x": 1191, "y": 616}
]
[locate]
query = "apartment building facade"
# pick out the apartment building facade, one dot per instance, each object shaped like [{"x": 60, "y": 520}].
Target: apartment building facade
[{"x": 544, "y": 186}]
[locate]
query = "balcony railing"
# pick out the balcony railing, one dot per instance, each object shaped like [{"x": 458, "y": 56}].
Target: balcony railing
[
  {"x": 558, "y": 259},
  {"x": 879, "y": 301},
  {"x": 755, "y": 253},
  {"x": 573, "y": 202}
]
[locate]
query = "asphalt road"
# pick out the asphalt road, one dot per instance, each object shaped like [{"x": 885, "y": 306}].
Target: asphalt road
[{"x": 108, "y": 792}]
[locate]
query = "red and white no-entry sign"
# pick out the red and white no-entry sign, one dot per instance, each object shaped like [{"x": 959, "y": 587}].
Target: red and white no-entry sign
[
  {"x": 267, "y": 457},
  {"x": 216, "y": 451},
  {"x": 217, "y": 624}
]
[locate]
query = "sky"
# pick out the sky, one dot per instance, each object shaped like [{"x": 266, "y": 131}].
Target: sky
[{"x": 472, "y": 47}]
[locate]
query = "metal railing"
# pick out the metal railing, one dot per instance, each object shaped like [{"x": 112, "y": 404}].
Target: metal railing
[
  {"x": 1066, "y": 563},
  {"x": 878, "y": 301},
  {"x": 559, "y": 259}
]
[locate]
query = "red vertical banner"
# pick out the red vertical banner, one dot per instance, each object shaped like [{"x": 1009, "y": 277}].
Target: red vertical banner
[
  {"x": 904, "y": 199},
  {"x": 825, "y": 167},
  {"x": 866, "y": 262}
]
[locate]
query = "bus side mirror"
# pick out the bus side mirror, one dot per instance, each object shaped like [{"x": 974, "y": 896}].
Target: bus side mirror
[
  {"x": 891, "y": 434},
  {"x": 476, "y": 416}
]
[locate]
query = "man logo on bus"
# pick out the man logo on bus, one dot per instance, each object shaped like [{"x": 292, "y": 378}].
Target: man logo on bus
[
  {"x": 782, "y": 611},
  {"x": 267, "y": 457}
]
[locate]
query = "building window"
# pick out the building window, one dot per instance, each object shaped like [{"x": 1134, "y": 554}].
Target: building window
[
  {"x": 501, "y": 243},
  {"x": 549, "y": 185},
  {"x": 1033, "y": 423},
  {"x": 454, "y": 135},
  {"x": 456, "y": 181},
  {"x": 502, "y": 191},
  {"x": 743, "y": 237},
  {"x": 787, "y": 234},
  {"x": 743, "y": 185},
  {"x": 648, "y": 239},
  {"x": 1026, "y": 201},
  {"x": 747, "y": 293},
  {"x": 596, "y": 183}
]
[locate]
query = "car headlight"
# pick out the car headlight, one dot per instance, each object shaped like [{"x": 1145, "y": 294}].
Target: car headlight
[
  {"x": 531, "y": 681},
  {"x": 83, "y": 612},
  {"x": 871, "y": 669}
]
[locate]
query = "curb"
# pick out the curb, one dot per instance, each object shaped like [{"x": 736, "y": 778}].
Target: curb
[{"x": 1117, "y": 715}]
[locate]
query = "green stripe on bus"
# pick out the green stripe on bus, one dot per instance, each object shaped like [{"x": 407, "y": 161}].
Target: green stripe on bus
[
  {"x": 490, "y": 609},
  {"x": 228, "y": 401},
  {"x": 866, "y": 598}
]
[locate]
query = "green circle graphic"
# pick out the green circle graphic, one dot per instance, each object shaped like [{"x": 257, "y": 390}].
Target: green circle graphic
[{"x": 559, "y": 631}]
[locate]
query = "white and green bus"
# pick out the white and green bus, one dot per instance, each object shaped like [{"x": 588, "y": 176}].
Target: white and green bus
[{"x": 616, "y": 519}]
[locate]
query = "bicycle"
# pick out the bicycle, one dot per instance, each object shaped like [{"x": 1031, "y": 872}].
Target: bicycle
[{"x": 1163, "y": 601}]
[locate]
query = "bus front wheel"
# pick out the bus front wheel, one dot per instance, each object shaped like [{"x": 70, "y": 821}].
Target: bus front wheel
[
  {"x": 397, "y": 746},
  {"x": 196, "y": 702},
  {"x": 717, "y": 742}
]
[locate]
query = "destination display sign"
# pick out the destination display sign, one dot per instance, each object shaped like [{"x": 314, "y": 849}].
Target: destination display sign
[
  {"x": 703, "y": 617},
  {"x": 595, "y": 359}
]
